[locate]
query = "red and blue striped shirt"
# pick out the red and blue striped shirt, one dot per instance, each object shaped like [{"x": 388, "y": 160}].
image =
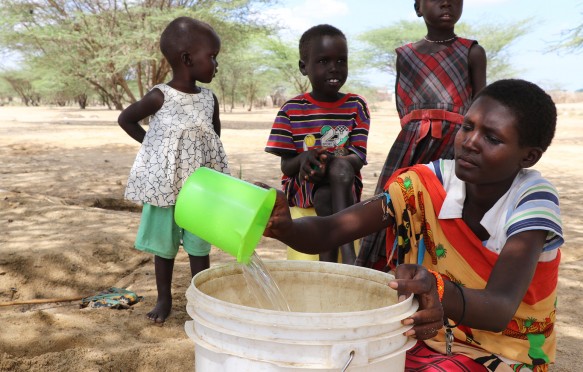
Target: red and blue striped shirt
[
  {"x": 303, "y": 123},
  {"x": 344, "y": 123}
]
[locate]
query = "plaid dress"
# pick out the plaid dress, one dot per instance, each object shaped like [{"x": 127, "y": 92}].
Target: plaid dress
[{"x": 431, "y": 89}]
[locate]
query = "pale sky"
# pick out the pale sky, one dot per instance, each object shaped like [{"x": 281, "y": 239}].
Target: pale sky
[{"x": 550, "y": 18}]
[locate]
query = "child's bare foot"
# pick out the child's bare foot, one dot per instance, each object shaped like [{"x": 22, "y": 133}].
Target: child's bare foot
[{"x": 160, "y": 312}]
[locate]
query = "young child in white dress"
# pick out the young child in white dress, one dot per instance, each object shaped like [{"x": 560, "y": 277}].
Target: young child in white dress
[{"x": 183, "y": 135}]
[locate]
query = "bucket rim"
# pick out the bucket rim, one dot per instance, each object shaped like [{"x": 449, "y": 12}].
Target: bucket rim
[
  {"x": 296, "y": 319},
  {"x": 410, "y": 304}
]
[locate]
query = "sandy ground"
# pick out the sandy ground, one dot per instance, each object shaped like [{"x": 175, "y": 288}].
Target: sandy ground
[{"x": 65, "y": 231}]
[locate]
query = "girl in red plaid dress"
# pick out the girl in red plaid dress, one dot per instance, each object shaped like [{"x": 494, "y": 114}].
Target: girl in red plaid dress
[{"x": 437, "y": 77}]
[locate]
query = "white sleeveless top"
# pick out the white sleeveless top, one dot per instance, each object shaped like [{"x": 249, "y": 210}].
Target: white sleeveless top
[{"x": 180, "y": 139}]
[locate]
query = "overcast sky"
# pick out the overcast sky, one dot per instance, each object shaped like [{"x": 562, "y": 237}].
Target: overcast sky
[{"x": 551, "y": 18}]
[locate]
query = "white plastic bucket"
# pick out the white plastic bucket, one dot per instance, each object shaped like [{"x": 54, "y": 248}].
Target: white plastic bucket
[{"x": 337, "y": 310}]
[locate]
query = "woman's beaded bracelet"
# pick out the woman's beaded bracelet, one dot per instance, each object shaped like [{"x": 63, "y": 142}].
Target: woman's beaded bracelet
[{"x": 439, "y": 283}]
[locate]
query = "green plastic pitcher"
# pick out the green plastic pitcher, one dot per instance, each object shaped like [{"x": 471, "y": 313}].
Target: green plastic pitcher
[{"x": 227, "y": 212}]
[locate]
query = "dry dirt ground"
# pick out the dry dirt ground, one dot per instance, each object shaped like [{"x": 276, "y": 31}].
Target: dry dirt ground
[{"x": 65, "y": 231}]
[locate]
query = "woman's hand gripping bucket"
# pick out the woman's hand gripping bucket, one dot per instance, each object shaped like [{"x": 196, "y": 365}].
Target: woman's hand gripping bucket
[{"x": 227, "y": 212}]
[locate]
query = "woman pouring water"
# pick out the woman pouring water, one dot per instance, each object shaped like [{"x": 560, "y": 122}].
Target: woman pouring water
[{"x": 476, "y": 239}]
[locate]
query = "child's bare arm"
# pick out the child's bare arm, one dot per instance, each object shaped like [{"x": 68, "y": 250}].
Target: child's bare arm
[
  {"x": 477, "y": 62},
  {"x": 129, "y": 119},
  {"x": 216, "y": 118}
]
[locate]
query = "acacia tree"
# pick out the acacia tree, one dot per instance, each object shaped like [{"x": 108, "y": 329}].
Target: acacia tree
[
  {"x": 254, "y": 67},
  {"x": 6, "y": 91},
  {"x": 58, "y": 89},
  {"x": 107, "y": 43},
  {"x": 23, "y": 87},
  {"x": 230, "y": 72},
  {"x": 258, "y": 78},
  {"x": 283, "y": 57},
  {"x": 572, "y": 40},
  {"x": 379, "y": 50},
  {"x": 496, "y": 39}
]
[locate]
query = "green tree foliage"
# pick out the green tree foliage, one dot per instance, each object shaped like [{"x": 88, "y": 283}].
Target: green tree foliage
[
  {"x": 233, "y": 65},
  {"x": 255, "y": 68},
  {"x": 284, "y": 58},
  {"x": 21, "y": 84},
  {"x": 58, "y": 89},
  {"x": 495, "y": 38},
  {"x": 572, "y": 40},
  {"x": 7, "y": 94},
  {"x": 109, "y": 43},
  {"x": 246, "y": 77},
  {"x": 109, "y": 49},
  {"x": 379, "y": 52}
]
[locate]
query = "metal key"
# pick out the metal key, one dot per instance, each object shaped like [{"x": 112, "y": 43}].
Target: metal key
[{"x": 448, "y": 340}]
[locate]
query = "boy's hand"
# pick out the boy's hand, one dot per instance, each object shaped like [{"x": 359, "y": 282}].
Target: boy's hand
[
  {"x": 313, "y": 166},
  {"x": 415, "y": 279},
  {"x": 280, "y": 221}
]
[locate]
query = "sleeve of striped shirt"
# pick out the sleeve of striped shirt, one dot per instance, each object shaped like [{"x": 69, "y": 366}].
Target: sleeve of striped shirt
[
  {"x": 538, "y": 209},
  {"x": 359, "y": 134},
  {"x": 280, "y": 141}
]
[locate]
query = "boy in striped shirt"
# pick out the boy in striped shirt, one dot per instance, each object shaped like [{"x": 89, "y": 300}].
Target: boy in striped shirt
[{"x": 321, "y": 136}]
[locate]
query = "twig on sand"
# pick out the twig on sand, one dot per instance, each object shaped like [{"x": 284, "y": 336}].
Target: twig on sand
[{"x": 41, "y": 301}]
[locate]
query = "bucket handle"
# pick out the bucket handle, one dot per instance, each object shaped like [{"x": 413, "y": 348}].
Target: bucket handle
[{"x": 349, "y": 361}]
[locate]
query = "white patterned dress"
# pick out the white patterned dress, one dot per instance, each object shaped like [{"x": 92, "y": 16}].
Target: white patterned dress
[{"x": 180, "y": 139}]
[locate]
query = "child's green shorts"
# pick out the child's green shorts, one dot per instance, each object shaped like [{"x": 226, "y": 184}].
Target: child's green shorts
[{"x": 160, "y": 235}]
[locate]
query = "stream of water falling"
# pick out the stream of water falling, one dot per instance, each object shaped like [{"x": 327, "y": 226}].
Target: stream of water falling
[{"x": 262, "y": 286}]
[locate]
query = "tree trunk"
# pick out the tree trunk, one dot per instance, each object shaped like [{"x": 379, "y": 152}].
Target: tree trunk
[
  {"x": 232, "y": 97},
  {"x": 139, "y": 79},
  {"x": 120, "y": 81},
  {"x": 251, "y": 97},
  {"x": 82, "y": 101}
]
